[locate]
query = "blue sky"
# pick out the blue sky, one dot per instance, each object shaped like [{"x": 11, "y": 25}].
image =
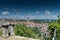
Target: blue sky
[{"x": 35, "y": 9}]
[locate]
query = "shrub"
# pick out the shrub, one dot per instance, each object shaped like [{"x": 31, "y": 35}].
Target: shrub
[
  {"x": 0, "y": 32},
  {"x": 22, "y": 30}
]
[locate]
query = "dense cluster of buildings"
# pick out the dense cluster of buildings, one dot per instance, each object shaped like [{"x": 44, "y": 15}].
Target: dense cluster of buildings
[{"x": 43, "y": 26}]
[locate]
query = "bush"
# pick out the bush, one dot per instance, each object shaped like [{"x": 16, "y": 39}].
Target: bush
[
  {"x": 22, "y": 30},
  {"x": 37, "y": 31},
  {"x": 56, "y": 26},
  {"x": 0, "y": 32}
]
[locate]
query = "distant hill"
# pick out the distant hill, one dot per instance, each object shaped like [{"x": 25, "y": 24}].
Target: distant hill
[
  {"x": 33, "y": 20},
  {"x": 43, "y": 20}
]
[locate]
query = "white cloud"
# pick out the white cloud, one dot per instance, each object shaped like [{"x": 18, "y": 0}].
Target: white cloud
[
  {"x": 46, "y": 15},
  {"x": 17, "y": 17},
  {"x": 5, "y": 13},
  {"x": 47, "y": 12},
  {"x": 18, "y": 13},
  {"x": 37, "y": 12},
  {"x": 29, "y": 14}
]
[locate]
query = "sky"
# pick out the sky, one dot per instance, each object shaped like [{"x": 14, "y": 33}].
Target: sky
[{"x": 34, "y": 9}]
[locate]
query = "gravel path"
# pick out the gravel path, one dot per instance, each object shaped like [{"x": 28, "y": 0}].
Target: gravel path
[{"x": 17, "y": 38}]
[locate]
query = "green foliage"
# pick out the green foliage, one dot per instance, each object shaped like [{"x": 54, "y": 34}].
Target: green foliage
[
  {"x": 37, "y": 31},
  {"x": 55, "y": 25},
  {"x": 0, "y": 32},
  {"x": 22, "y": 30}
]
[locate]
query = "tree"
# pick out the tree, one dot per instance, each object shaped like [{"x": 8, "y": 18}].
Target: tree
[
  {"x": 22, "y": 30},
  {"x": 0, "y": 32},
  {"x": 55, "y": 25}
]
